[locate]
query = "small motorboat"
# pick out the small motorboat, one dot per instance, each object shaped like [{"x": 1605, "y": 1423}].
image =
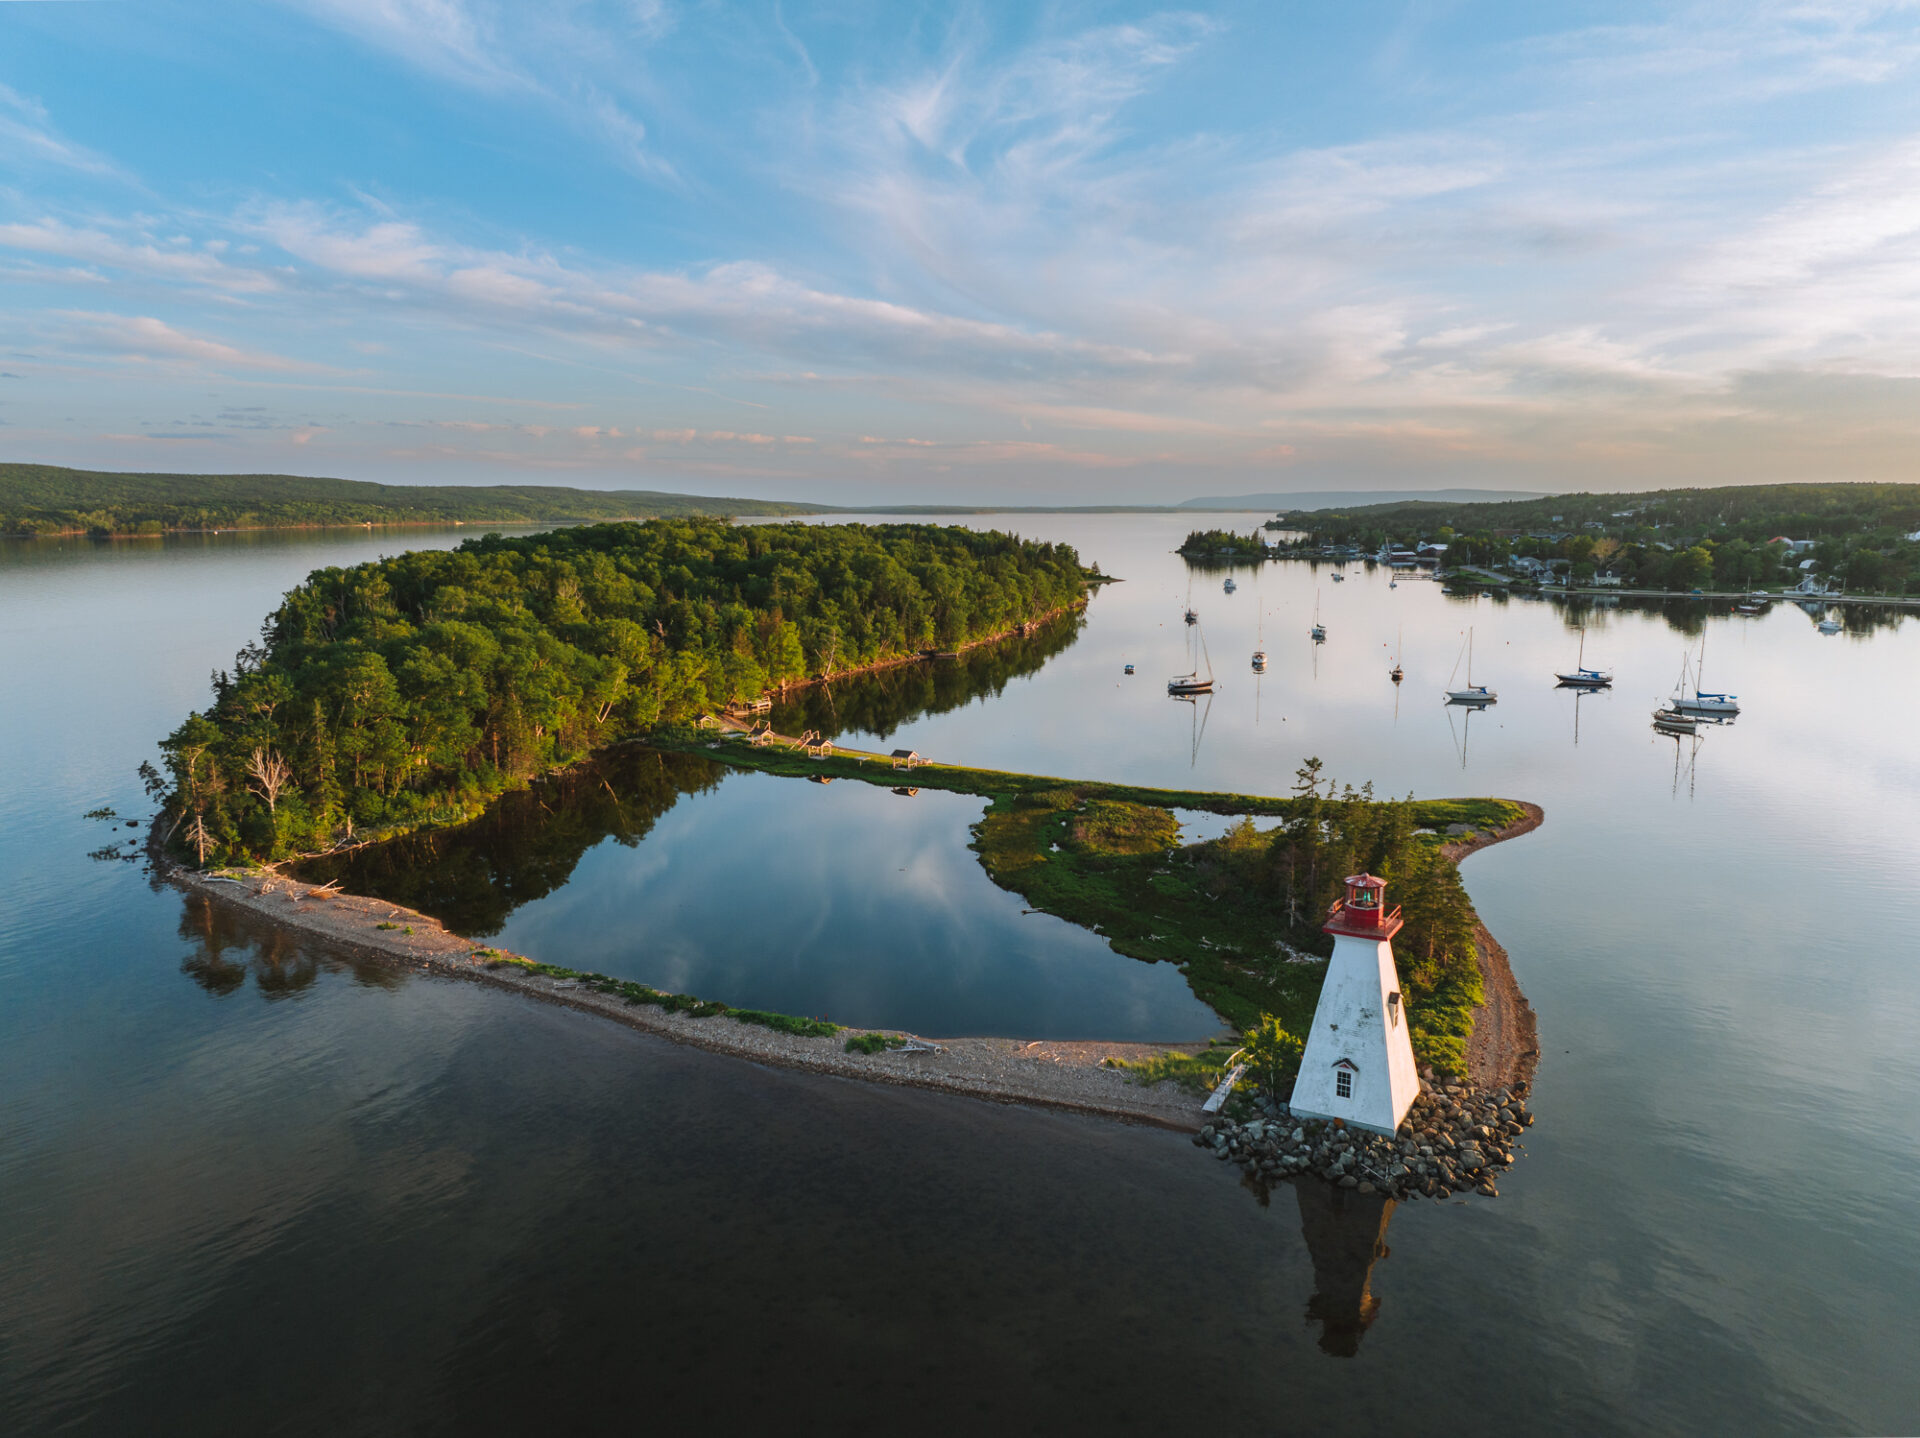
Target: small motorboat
[
  {"x": 1338, "y": 577},
  {"x": 1129, "y": 669},
  {"x": 1672, "y": 721},
  {"x": 1229, "y": 586},
  {"x": 1259, "y": 661}
]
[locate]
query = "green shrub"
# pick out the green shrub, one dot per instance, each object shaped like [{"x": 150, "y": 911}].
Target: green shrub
[{"x": 873, "y": 1043}]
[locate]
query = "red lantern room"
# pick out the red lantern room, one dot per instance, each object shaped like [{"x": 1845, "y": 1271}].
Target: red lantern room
[{"x": 1363, "y": 913}]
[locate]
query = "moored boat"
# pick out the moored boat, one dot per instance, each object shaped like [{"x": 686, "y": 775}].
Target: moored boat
[
  {"x": 1583, "y": 677},
  {"x": 1473, "y": 693},
  {"x": 1182, "y": 685}
]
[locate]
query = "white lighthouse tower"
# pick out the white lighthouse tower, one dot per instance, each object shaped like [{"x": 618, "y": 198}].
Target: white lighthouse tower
[{"x": 1358, "y": 1065}]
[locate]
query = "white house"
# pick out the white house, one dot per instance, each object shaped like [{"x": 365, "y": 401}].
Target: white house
[{"x": 1358, "y": 1065}]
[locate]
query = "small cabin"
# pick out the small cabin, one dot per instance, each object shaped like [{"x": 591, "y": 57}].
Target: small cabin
[{"x": 906, "y": 758}]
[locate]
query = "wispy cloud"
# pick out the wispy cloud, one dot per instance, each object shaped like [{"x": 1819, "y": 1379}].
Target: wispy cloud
[
  {"x": 28, "y": 138},
  {"x": 142, "y": 337},
  {"x": 1147, "y": 248}
]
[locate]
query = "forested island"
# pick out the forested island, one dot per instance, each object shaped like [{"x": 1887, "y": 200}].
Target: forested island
[
  {"x": 40, "y": 499},
  {"x": 412, "y": 690},
  {"x": 1863, "y": 537},
  {"x": 1202, "y": 545}
]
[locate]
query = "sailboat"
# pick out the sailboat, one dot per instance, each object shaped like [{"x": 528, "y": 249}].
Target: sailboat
[
  {"x": 1193, "y": 616},
  {"x": 1701, "y": 701},
  {"x": 1582, "y": 677},
  {"x": 1396, "y": 674},
  {"x": 1670, "y": 721},
  {"x": 1319, "y": 629},
  {"x": 1473, "y": 693},
  {"x": 1260, "y": 646},
  {"x": 1229, "y": 586},
  {"x": 1193, "y": 683}
]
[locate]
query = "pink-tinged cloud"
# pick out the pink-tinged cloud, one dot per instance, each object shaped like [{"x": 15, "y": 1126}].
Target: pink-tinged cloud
[{"x": 142, "y": 337}]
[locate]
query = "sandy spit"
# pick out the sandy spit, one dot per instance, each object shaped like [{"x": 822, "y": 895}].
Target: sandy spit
[
  {"x": 1504, "y": 1048},
  {"x": 1066, "y": 1074},
  {"x": 1050, "y": 1073}
]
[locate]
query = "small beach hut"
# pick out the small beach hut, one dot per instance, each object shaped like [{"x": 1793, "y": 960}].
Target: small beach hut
[{"x": 906, "y": 758}]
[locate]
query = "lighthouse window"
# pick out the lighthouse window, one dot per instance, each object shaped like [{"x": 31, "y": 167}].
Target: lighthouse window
[
  {"x": 1393, "y": 1009},
  {"x": 1343, "y": 1084}
]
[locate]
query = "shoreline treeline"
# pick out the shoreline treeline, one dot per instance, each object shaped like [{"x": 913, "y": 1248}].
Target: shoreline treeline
[
  {"x": 45, "y": 499},
  {"x": 1859, "y": 535},
  {"x": 412, "y": 690}
]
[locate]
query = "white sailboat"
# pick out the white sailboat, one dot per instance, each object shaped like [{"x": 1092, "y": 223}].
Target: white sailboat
[
  {"x": 1319, "y": 629},
  {"x": 1701, "y": 701},
  {"x": 1396, "y": 674},
  {"x": 1473, "y": 693},
  {"x": 1260, "y": 645},
  {"x": 1583, "y": 677}
]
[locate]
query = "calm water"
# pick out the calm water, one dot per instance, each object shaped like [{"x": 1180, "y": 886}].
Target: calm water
[{"x": 248, "y": 1185}]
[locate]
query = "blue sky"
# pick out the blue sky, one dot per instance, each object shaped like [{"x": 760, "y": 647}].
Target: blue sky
[{"x": 1026, "y": 253}]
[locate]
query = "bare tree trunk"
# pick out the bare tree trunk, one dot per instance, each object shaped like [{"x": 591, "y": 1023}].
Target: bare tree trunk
[
  {"x": 201, "y": 840},
  {"x": 267, "y": 775}
]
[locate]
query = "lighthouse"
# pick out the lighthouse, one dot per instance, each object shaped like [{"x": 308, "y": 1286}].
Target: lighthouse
[{"x": 1358, "y": 1065}]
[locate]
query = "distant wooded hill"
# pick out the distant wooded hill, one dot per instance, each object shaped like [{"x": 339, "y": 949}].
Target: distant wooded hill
[
  {"x": 1753, "y": 511},
  {"x": 46, "y": 499},
  {"x": 1334, "y": 499}
]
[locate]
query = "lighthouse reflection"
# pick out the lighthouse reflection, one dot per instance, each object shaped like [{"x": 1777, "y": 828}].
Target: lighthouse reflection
[{"x": 1346, "y": 1234}]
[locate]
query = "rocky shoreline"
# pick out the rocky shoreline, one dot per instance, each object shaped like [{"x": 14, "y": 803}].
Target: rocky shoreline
[{"x": 1457, "y": 1138}]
